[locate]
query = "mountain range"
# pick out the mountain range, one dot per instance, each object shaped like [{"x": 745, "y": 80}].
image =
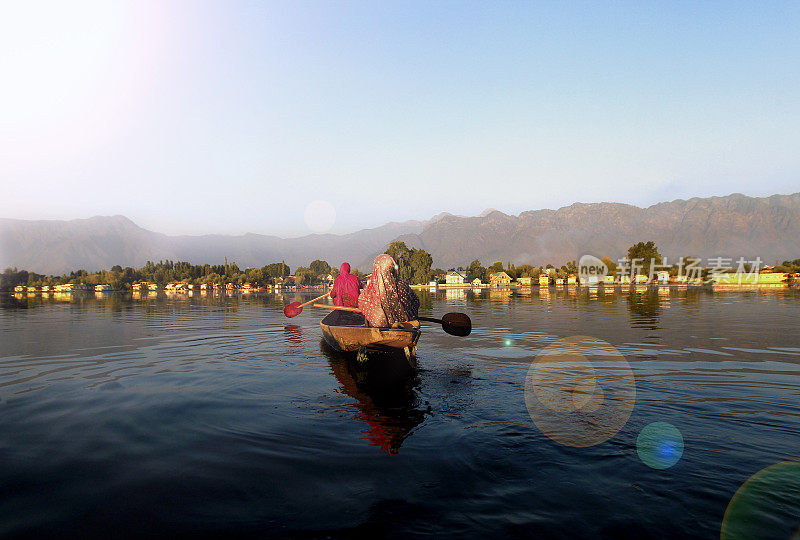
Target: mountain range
[{"x": 732, "y": 226}]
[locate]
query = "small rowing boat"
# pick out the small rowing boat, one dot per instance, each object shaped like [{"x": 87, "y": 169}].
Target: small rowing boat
[{"x": 347, "y": 331}]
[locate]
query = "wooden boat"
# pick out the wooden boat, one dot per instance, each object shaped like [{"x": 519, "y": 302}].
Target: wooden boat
[{"x": 347, "y": 331}]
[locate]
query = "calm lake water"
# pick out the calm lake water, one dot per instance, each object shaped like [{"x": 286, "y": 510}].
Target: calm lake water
[{"x": 218, "y": 414}]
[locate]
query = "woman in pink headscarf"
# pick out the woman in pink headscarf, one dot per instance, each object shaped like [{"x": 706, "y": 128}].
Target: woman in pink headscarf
[
  {"x": 386, "y": 300},
  {"x": 346, "y": 288}
]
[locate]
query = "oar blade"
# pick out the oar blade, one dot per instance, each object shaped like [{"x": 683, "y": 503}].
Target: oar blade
[
  {"x": 457, "y": 324},
  {"x": 292, "y": 310}
]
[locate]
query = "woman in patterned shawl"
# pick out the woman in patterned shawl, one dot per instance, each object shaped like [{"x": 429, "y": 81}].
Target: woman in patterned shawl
[{"x": 386, "y": 300}]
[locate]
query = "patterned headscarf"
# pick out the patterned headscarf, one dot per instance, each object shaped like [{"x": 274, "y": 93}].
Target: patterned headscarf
[{"x": 386, "y": 300}]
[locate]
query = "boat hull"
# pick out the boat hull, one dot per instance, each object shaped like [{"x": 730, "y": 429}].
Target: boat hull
[{"x": 346, "y": 331}]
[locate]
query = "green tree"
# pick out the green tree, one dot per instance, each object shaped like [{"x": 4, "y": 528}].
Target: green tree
[
  {"x": 276, "y": 270},
  {"x": 437, "y": 274},
  {"x": 399, "y": 251},
  {"x": 254, "y": 275},
  {"x": 401, "y": 254},
  {"x": 319, "y": 267},
  {"x": 413, "y": 265},
  {"x": 494, "y": 268},
  {"x": 524, "y": 270},
  {"x": 420, "y": 262},
  {"x": 12, "y": 277},
  {"x": 647, "y": 253},
  {"x": 611, "y": 265},
  {"x": 303, "y": 276},
  {"x": 476, "y": 270}
]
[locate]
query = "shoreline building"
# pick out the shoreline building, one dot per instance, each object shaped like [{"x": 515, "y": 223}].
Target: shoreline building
[
  {"x": 499, "y": 279},
  {"x": 455, "y": 278}
]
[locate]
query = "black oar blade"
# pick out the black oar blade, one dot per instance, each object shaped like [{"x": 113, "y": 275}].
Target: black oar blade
[{"x": 457, "y": 324}]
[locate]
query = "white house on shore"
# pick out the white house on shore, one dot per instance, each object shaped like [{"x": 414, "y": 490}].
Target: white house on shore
[{"x": 454, "y": 278}]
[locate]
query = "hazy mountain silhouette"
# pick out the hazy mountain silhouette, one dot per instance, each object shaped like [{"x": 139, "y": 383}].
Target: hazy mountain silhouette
[
  {"x": 54, "y": 247},
  {"x": 730, "y": 226}
]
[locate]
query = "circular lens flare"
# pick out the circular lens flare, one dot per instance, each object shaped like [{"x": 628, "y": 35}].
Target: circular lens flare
[
  {"x": 767, "y": 505},
  {"x": 320, "y": 216},
  {"x": 660, "y": 445},
  {"x": 580, "y": 391}
]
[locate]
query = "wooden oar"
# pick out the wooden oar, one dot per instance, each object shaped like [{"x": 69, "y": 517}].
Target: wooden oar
[
  {"x": 296, "y": 308},
  {"x": 455, "y": 324}
]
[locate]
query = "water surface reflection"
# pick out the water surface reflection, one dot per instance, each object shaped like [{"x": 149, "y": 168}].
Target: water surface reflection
[
  {"x": 215, "y": 412},
  {"x": 384, "y": 390}
]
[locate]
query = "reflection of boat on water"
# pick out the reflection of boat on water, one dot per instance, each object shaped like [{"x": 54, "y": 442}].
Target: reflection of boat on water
[{"x": 385, "y": 396}]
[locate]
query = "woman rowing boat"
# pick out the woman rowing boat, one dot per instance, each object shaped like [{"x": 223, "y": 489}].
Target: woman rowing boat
[
  {"x": 386, "y": 300},
  {"x": 346, "y": 288}
]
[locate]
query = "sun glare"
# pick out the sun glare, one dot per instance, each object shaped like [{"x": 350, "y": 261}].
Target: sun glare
[
  {"x": 70, "y": 71},
  {"x": 320, "y": 216}
]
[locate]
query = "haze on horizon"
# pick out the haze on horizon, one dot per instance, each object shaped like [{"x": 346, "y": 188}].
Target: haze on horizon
[{"x": 193, "y": 118}]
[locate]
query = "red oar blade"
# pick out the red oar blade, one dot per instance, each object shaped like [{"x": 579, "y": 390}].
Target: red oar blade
[{"x": 292, "y": 310}]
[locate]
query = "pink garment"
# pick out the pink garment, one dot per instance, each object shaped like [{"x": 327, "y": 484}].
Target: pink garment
[
  {"x": 346, "y": 288},
  {"x": 386, "y": 300}
]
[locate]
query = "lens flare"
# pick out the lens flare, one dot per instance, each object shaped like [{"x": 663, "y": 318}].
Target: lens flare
[
  {"x": 320, "y": 216},
  {"x": 660, "y": 445},
  {"x": 580, "y": 391},
  {"x": 767, "y": 505}
]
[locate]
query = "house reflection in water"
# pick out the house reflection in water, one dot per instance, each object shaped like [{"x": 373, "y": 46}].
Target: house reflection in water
[
  {"x": 544, "y": 293},
  {"x": 502, "y": 295},
  {"x": 457, "y": 295},
  {"x": 385, "y": 395}
]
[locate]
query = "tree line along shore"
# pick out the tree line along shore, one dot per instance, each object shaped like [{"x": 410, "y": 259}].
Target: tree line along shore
[{"x": 414, "y": 267}]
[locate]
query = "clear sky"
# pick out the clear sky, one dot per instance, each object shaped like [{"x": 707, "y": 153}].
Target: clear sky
[{"x": 231, "y": 117}]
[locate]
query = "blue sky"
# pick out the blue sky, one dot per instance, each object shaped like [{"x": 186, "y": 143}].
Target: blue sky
[{"x": 232, "y": 117}]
